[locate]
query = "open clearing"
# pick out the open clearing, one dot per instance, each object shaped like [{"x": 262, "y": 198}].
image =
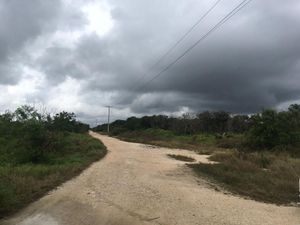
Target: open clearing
[{"x": 137, "y": 184}]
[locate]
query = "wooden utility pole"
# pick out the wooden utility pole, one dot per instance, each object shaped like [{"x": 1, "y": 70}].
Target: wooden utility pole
[{"x": 108, "y": 118}]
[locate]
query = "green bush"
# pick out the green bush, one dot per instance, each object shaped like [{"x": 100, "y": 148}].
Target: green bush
[
  {"x": 38, "y": 152},
  {"x": 21, "y": 183},
  {"x": 271, "y": 129}
]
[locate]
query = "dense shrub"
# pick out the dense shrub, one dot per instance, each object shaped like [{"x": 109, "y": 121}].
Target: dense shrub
[
  {"x": 266, "y": 130},
  {"x": 22, "y": 183},
  {"x": 28, "y": 136},
  {"x": 206, "y": 122},
  {"x": 38, "y": 152},
  {"x": 272, "y": 129}
]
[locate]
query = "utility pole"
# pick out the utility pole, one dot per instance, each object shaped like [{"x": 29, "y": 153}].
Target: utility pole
[{"x": 108, "y": 118}]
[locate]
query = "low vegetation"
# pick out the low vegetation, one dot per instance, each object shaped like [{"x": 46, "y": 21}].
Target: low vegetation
[
  {"x": 182, "y": 158},
  {"x": 263, "y": 176},
  {"x": 39, "y": 152},
  {"x": 169, "y": 139},
  {"x": 258, "y": 155}
]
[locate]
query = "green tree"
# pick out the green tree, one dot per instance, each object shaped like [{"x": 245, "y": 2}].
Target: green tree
[
  {"x": 270, "y": 129},
  {"x": 64, "y": 121},
  {"x": 25, "y": 113}
]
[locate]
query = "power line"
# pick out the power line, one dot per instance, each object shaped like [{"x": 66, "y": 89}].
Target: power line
[
  {"x": 182, "y": 37},
  {"x": 218, "y": 25}
]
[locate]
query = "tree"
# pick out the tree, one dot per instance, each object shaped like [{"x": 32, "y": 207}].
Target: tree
[
  {"x": 26, "y": 113},
  {"x": 270, "y": 129},
  {"x": 294, "y": 113},
  {"x": 64, "y": 121},
  {"x": 238, "y": 123},
  {"x": 220, "y": 119},
  {"x": 205, "y": 120},
  {"x": 133, "y": 123},
  {"x": 213, "y": 121}
]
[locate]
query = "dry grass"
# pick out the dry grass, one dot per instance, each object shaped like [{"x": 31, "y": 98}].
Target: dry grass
[
  {"x": 262, "y": 176},
  {"x": 201, "y": 143}
]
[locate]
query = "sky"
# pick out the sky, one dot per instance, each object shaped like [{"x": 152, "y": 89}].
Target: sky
[{"x": 83, "y": 55}]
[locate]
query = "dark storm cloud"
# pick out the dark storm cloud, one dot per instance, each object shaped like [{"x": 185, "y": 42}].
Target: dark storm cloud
[
  {"x": 251, "y": 62},
  {"x": 21, "y": 22},
  {"x": 246, "y": 65},
  {"x": 58, "y": 63}
]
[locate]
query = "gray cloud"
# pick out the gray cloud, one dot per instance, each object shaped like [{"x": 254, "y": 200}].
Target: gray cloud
[
  {"x": 252, "y": 62},
  {"x": 21, "y": 22},
  {"x": 243, "y": 67}
]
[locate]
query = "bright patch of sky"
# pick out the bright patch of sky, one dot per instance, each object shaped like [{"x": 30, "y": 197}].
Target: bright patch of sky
[{"x": 99, "y": 17}]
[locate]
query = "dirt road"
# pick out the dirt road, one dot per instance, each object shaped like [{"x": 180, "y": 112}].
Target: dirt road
[{"x": 137, "y": 185}]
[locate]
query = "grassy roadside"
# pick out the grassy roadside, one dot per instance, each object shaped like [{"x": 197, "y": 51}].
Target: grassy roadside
[
  {"x": 23, "y": 183},
  {"x": 201, "y": 143},
  {"x": 264, "y": 176},
  {"x": 267, "y": 176}
]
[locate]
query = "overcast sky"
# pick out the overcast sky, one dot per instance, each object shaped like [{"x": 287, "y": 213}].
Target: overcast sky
[{"x": 81, "y": 55}]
